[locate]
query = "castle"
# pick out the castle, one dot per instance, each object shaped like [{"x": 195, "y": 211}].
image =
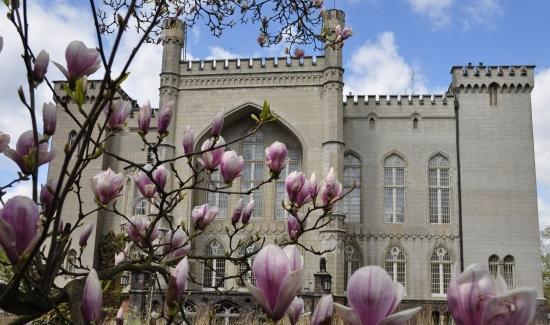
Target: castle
[{"x": 439, "y": 179}]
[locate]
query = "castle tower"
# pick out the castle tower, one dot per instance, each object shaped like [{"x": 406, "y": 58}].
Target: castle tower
[
  {"x": 499, "y": 201},
  {"x": 333, "y": 144}
]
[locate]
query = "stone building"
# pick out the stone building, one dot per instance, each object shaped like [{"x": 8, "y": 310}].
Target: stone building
[{"x": 439, "y": 179}]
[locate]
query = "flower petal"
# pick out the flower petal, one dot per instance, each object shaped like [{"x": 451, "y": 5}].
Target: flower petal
[
  {"x": 401, "y": 317},
  {"x": 259, "y": 296},
  {"x": 514, "y": 307},
  {"x": 348, "y": 314},
  {"x": 291, "y": 285}
]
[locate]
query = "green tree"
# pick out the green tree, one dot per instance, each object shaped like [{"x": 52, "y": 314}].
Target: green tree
[{"x": 545, "y": 258}]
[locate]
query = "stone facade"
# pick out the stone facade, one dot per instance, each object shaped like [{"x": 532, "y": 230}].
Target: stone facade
[{"x": 475, "y": 143}]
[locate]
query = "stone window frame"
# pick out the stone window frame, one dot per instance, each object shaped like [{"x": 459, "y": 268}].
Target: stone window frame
[
  {"x": 346, "y": 204},
  {"x": 215, "y": 248},
  {"x": 396, "y": 169},
  {"x": 439, "y": 189}
]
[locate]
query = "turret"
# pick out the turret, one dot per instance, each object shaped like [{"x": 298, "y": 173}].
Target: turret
[{"x": 331, "y": 19}]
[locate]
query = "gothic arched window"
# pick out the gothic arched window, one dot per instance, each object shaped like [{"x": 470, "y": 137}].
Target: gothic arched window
[
  {"x": 227, "y": 313},
  {"x": 439, "y": 184},
  {"x": 214, "y": 269},
  {"x": 70, "y": 261},
  {"x": 396, "y": 265},
  {"x": 253, "y": 172},
  {"x": 441, "y": 263},
  {"x": 493, "y": 94},
  {"x": 394, "y": 189},
  {"x": 71, "y": 139},
  {"x": 216, "y": 198},
  {"x": 140, "y": 203},
  {"x": 352, "y": 261},
  {"x": 245, "y": 268},
  {"x": 352, "y": 175},
  {"x": 294, "y": 164},
  {"x": 494, "y": 265},
  {"x": 508, "y": 271}
]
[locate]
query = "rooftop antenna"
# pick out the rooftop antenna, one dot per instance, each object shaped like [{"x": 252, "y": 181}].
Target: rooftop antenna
[
  {"x": 412, "y": 82},
  {"x": 184, "y": 41},
  {"x": 334, "y": 4}
]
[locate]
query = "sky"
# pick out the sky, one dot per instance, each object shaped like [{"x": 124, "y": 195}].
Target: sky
[{"x": 392, "y": 39}]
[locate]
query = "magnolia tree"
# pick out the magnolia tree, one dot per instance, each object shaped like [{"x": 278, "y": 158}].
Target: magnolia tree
[{"x": 36, "y": 240}]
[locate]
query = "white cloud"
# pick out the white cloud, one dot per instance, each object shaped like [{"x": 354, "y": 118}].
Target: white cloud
[
  {"x": 217, "y": 52},
  {"x": 24, "y": 188},
  {"x": 378, "y": 68},
  {"x": 438, "y": 11},
  {"x": 541, "y": 120},
  {"x": 482, "y": 12}
]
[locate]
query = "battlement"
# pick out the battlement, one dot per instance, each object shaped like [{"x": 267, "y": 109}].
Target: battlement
[
  {"x": 398, "y": 100},
  {"x": 507, "y": 78},
  {"x": 252, "y": 65}
]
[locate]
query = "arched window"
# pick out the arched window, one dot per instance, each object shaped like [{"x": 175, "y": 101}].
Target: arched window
[
  {"x": 71, "y": 139},
  {"x": 372, "y": 122},
  {"x": 70, "y": 261},
  {"x": 494, "y": 265},
  {"x": 294, "y": 164},
  {"x": 352, "y": 261},
  {"x": 253, "y": 172},
  {"x": 352, "y": 175},
  {"x": 216, "y": 198},
  {"x": 394, "y": 189},
  {"x": 214, "y": 269},
  {"x": 415, "y": 123},
  {"x": 440, "y": 271},
  {"x": 439, "y": 188},
  {"x": 508, "y": 271},
  {"x": 396, "y": 265},
  {"x": 245, "y": 268},
  {"x": 493, "y": 93},
  {"x": 150, "y": 156},
  {"x": 227, "y": 313},
  {"x": 140, "y": 207}
]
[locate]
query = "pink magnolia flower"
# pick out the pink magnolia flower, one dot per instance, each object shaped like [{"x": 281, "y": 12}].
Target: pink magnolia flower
[
  {"x": 85, "y": 234},
  {"x": 236, "y": 216},
  {"x": 275, "y": 156},
  {"x": 107, "y": 185},
  {"x": 120, "y": 316},
  {"x": 318, "y": 3},
  {"x": 137, "y": 228},
  {"x": 231, "y": 166},
  {"x": 188, "y": 140},
  {"x": 322, "y": 315},
  {"x": 476, "y": 298},
  {"x": 81, "y": 61},
  {"x": 279, "y": 276},
  {"x": 203, "y": 215},
  {"x": 164, "y": 118},
  {"x": 294, "y": 228},
  {"x": 247, "y": 212},
  {"x": 144, "y": 184},
  {"x": 313, "y": 186},
  {"x": 177, "y": 283},
  {"x": 331, "y": 190},
  {"x": 4, "y": 141},
  {"x": 298, "y": 188},
  {"x": 120, "y": 258},
  {"x": 144, "y": 118},
  {"x": 212, "y": 158},
  {"x": 47, "y": 193},
  {"x": 217, "y": 123},
  {"x": 299, "y": 53},
  {"x": 40, "y": 66},
  {"x": 23, "y": 155},
  {"x": 19, "y": 224},
  {"x": 262, "y": 39},
  {"x": 178, "y": 243},
  {"x": 373, "y": 297},
  {"x": 49, "y": 116},
  {"x": 92, "y": 299},
  {"x": 295, "y": 310},
  {"x": 117, "y": 113},
  {"x": 160, "y": 176}
]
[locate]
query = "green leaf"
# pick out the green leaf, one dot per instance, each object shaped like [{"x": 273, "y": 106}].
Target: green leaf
[
  {"x": 79, "y": 95},
  {"x": 121, "y": 79},
  {"x": 7, "y": 3}
]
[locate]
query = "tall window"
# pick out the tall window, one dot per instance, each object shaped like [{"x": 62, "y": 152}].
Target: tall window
[
  {"x": 394, "y": 189},
  {"x": 439, "y": 187},
  {"x": 216, "y": 198},
  {"x": 352, "y": 261},
  {"x": 352, "y": 201},
  {"x": 294, "y": 164},
  {"x": 72, "y": 138},
  {"x": 150, "y": 156},
  {"x": 70, "y": 262},
  {"x": 441, "y": 271},
  {"x": 245, "y": 268},
  {"x": 395, "y": 265},
  {"x": 253, "y": 173},
  {"x": 214, "y": 269},
  {"x": 493, "y": 93},
  {"x": 494, "y": 265},
  {"x": 140, "y": 207},
  {"x": 508, "y": 271}
]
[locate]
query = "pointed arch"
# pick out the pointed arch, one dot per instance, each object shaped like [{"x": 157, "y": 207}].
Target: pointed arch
[
  {"x": 493, "y": 94},
  {"x": 441, "y": 260},
  {"x": 394, "y": 188},
  {"x": 214, "y": 269},
  {"x": 439, "y": 188},
  {"x": 353, "y": 259},
  {"x": 494, "y": 265},
  {"x": 395, "y": 263},
  {"x": 508, "y": 271}
]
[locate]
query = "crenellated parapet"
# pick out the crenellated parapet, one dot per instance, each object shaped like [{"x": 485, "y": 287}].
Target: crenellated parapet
[
  {"x": 92, "y": 90},
  {"x": 480, "y": 78},
  {"x": 398, "y": 106},
  {"x": 397, "y": 100},
  {"x": 251, "y": 65}
]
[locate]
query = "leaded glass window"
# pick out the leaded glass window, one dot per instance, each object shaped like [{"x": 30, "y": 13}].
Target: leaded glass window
[
  {"x": 216, "y": 198},
  {"x": 394, "y": 189},
  {"x": 439, "y": 187},
  {"x": 352, "y": 175},
  {"x": 396, "y": 265},
  {"x": 441, "y": 263},
  {"x": 254, "y": 167},
  {"x": 214, "y": 269},
  {"x": 494, "y": 265},
  {"x": 352, "y": 261},
  {"x": 245, "y": 268},
  {"x": 508, "y": 271}
]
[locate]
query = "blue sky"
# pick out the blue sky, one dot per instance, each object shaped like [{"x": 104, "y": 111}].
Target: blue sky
[{"x": 391, "y": 39}]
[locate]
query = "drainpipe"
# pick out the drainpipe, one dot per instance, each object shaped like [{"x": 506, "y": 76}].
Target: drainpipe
[{"x": 457, "y": 137}]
